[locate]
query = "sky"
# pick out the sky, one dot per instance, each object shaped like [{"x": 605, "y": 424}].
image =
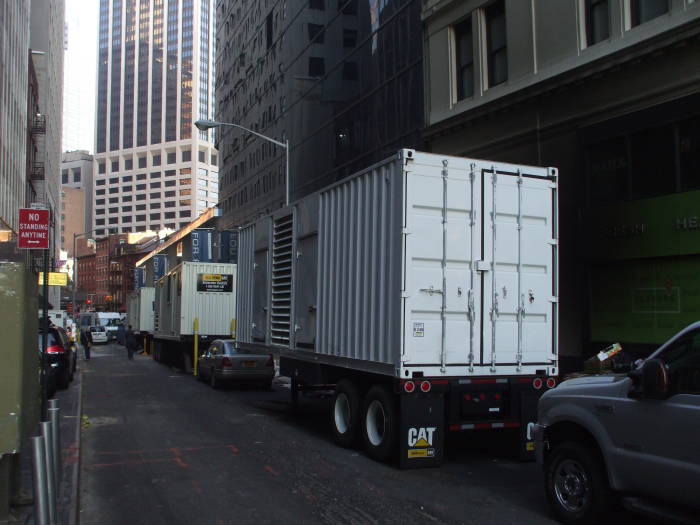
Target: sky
[{"x": 79, "y": 75}]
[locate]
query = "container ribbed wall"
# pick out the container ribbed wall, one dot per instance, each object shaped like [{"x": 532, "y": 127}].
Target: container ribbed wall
[
  {"x": 244, "y": 288},
  {"x": 359, "y": 270}
]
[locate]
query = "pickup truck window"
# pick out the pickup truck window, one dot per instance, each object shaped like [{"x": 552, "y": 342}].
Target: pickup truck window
[{"x": 683, "y": 362}]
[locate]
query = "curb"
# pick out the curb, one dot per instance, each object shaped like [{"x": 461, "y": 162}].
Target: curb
[{"x": 75, "y": 504}]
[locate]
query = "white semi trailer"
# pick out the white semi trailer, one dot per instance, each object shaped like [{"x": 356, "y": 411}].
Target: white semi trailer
[
  {"x": 140, "y": 307},
  {"x": 422, "y": 290},
  {"x": 193, "y": 300}
]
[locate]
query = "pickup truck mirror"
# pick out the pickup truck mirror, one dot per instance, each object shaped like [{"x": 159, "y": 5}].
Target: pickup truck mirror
[{"x": 653, "y": 379}]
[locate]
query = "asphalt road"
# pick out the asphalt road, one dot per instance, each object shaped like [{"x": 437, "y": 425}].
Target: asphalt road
[{"x": 159, "y": 447}]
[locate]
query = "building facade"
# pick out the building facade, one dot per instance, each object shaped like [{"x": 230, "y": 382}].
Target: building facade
[
  {"x": 14, "y": 81},
  {"x": 46, "y": 43},
  {"x": 76, "y": 174},
  {"x": 608, "y": 91},
  {"x": 153, "y": 170},
  {"x": 340, "y": 79}
]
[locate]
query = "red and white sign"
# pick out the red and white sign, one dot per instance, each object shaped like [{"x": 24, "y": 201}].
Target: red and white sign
[{"x": 33, "y": 229}]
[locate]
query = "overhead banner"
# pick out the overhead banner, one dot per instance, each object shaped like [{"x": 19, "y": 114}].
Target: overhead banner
[
  {"x": 214, "y": 282},
  {"x": 228, "y": 246},
  {"x": 139, "y": 278},
  {"x": 201, "y": 245},
  {"x": 159, "y": 262}
]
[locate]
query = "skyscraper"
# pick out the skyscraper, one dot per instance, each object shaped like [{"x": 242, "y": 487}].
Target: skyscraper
[{"x": 153, "y": 169}]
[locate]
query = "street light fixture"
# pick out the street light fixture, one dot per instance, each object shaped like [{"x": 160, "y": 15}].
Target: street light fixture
[{"x": 204, "y": 125}]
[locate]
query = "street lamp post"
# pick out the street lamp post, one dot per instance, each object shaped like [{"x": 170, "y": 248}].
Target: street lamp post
[
  {"x": 75, "y": 262},
  {"x": 204, "y": 125}
]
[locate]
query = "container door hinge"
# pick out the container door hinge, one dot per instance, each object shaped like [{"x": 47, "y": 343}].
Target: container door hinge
[{"x": 482, "y": 266}]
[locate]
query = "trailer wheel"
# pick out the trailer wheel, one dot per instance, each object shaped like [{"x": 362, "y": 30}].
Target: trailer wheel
[
  {"x": 380, "y": 423},
  {"x": 346, "y": 413}
]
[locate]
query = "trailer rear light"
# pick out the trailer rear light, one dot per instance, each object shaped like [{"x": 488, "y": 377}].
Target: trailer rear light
[
  {"x": 225, "y": 362},
  {"x": 551, "y": 382},
  {"x": 425, "y": 386},
  {"x": 482, "y": 397},
  {"x": 409, "y": 386},
  {"x": 537, "y": 383},
  {"x": 497, "y": 396},
  {"x": 55, "y": 350},
  {"x": 468, "y": 397}
]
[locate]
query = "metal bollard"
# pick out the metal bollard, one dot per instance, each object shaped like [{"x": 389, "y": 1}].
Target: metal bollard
[
  {"x": 41, "y": 497},
  {"x": 46, "y": 433},
  {"x": 54, "y": 417}
]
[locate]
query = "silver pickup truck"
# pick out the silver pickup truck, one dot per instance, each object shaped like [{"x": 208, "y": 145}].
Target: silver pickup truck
[{"x": 632, "y": 439}]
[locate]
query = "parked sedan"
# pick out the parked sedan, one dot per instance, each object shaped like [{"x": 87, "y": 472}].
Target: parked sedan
[
  {"x": 223, "y": 363},
  {"x": 99, "y": 334},
  {"x": 60, "y": 355}
]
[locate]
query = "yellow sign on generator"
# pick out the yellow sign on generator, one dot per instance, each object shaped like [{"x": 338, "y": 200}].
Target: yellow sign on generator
[{"x": 55, "y": 279}]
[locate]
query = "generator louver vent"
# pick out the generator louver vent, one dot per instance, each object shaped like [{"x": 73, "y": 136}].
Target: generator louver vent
[{"x": 281, "y": 281}]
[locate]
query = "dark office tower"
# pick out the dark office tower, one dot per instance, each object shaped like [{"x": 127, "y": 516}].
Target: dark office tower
[
  {"x": 340, "y": 79},
  {"x": 151, "y": 171}
]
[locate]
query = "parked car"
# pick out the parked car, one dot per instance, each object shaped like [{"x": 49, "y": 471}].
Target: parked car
[
  {"x": 50, "y": 371},
  {"x": 99, "y": 334},
  {"x": 631, "y": 437},
  {"x": 223, "y": 363},
  {"x": 60, "y": 355}
]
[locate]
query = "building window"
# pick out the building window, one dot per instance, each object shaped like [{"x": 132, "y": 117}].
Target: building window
[
  {"x": 129, "y": 164},
  {"x": 64, "y": 177},
  {"x": 155, "y": 184},
  {"x": 99, "y": 202},
  {"x": 101, "y": 167},
  {"x": 115, "y": 166},
  {"x": 202, "y": 156},
  {"x": 155, "y": 206},
  {"x": 114, "y": 190},
  {"x": 315, "y": 33},
  {"x": 100, "y": 222},
  {"x": 185, "y": 213},
  {"x": 186, "y": 155},
  {"x": 169, "y": 215},
  {"x": 114, "y": 210},
  {"x": 127, "y": 189},
  {"x": 100, "y": 211},
  {"x": 100, "y": 192},
  {"x": 113, "y": 200},
  {"x": 464, "y": 47},
  {"x": 141, "y": 176},
  {"x": 644, "y": 10},
  {"x": 126, "y": 208},
  {"x": 317, "y": 4},
  {"x": 155, "y": 216},
  {"x": 496, "y": 48},
  {"x": 155, "y": 195},
  {"x": 140, "y": 218},
  {"x": 349, "y": 38},
  {"x": 171, "y": 158},
  {"x": 214, "y": 159},
  {"x": 347, "y": 7},
  {"x": 140, "y": 207},
  {"x": 142, "y": 162},
  {"x": 170, "y": 204},
  {"x": 156, "y": 160},
  {"x": 114, "y": 180},
  {"x": 126, "y": 198},
  {"x": 317, "y": 67},
  {"x": 140, "y": 196},
  {"x": 155, "y": 175},
  {"x": 169, "y": 193},
  {"x": 113, "y": 220},
  {"x": 127, "y": 178},
  {"x": 597, "y": 21},
  {"x": 140, "y": 187},
  {"x": 170, "y": 182},
  {"x": 126, "y": 218},
  {"x": 350, "y": 71}
]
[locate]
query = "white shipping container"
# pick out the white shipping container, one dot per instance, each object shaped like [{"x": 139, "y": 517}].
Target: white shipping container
[
  {"x": 423, "y": 263},
  {"x": 196, "y": 290},
  {"x": 140, "y": 309}
]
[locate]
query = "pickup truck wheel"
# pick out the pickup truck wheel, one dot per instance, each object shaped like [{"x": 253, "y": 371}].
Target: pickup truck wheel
[
  {"x": 576, "y": 484},
  {"x": 345, "y": 413},
  {"x": 380, "y": 423}
]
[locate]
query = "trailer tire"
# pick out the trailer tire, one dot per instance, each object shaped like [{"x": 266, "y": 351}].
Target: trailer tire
[
  {"x": 346, "y": 413},
  {"x": 380, "y": 423}
]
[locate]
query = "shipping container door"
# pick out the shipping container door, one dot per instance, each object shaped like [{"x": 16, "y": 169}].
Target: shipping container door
[
  {"x": 442, "y": 287},
  {"x": 518, "y": 263},
  {"x": 260, "y": 296}
]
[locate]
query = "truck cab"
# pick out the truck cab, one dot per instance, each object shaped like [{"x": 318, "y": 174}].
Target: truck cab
[{"x": 631, "y": 438}]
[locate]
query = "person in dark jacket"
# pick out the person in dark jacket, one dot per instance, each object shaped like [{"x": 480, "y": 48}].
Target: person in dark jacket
[
  {"x": 131, "y": 343},
  {"x": 121, "y": 334},
  {"x": 86, "y": 341}
]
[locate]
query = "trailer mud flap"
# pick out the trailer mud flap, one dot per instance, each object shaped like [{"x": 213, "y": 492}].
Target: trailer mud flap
[
  {"x": 528, "y": 418},
  {"x": 422, "y": 430}
]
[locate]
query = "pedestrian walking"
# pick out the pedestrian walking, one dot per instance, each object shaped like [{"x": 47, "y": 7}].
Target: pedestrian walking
[
  {"x": 121, "y": 334},
  {"x": 86, "y": 342},
  {"x": 131, "y": 343}
]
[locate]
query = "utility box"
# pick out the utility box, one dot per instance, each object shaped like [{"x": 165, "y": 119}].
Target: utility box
[{"x": 20, "y": 373}]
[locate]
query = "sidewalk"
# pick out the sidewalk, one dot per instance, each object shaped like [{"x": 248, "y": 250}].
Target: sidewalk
[{"x": 69, "y": 401}]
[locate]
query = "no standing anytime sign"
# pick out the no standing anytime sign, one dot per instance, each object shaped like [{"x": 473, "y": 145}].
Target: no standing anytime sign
[{"x": 33, "y": 229}]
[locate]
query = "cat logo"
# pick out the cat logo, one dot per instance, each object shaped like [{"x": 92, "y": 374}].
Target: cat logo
[{"x": 421, "y": 437}]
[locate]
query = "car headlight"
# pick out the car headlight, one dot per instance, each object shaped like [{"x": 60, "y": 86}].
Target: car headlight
[{"x": 54, "y": 365}]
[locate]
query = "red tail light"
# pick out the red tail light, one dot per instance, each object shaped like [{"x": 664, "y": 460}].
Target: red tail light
[
  {"x": 225, "y": 362},
  {"x": 55, "y": 350},
  {"x": 270, "y": 362},
  {"x": 425, "y": 386},
  {"x": 551, "y": 382},
  {"x": 409, "y": 386},
  {"x": 537, "y": 383}
]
